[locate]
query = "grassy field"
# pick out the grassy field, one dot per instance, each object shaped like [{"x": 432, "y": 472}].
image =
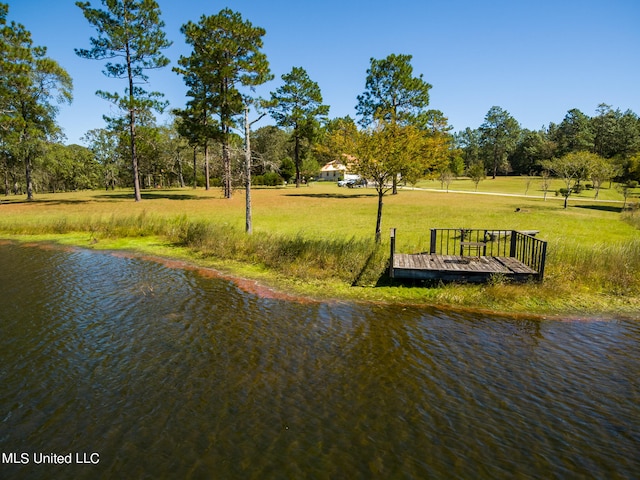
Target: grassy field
[
  {"x": 525, "y": 186},
  {"x": 317, "y": 240}
]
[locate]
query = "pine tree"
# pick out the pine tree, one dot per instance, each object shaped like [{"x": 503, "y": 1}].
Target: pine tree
[
  {"x": 129, "y": 31},
  {"x": 298, "y": 105},
  {"x": 226, "y": 56}
]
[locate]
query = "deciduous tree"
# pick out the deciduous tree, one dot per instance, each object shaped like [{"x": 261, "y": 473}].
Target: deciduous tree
[
  {"x": 600, "y": 170},
  {"x": 381, "y": 151},
  {"x": 31, "y": 87},
  {"x": 103, "y": 144},
  {"x": 394, "y": 95},
  {"x": 571, "y": 169},
  {"x": 476, "y": 172}
]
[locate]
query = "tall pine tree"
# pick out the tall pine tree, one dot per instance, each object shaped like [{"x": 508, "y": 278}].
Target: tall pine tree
[
  {"x": 226, "y": 56},
  {"x": 297, "y": 105},
  {"x": 131, "y": 39}
]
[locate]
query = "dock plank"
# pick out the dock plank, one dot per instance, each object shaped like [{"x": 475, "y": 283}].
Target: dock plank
[{"x": 451, "y": 267}]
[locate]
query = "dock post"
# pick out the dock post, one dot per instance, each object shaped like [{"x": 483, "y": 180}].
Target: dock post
[
  {"x": 542, "y": 262},
  {"x": 432, "y": 241},
  {"x": 514, "y": 244},
  {"x": 393, "y": 251}
]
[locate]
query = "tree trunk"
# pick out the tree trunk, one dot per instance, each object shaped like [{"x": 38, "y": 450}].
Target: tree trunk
[
  {"x": 226, "y": 161},
  {"x": 134, "y": 160},
  {"x": 132, "y": 130},
  {"x": 207, "y": 183},
  {"x": 379, "y": 217},
  {"x": 180, "y": 175},
  {"x": 29, "y": 180},
  {"x": 297, "y": 160},
  {"x": 195, "y": 167},
  {"x": 247, "y": 171}
]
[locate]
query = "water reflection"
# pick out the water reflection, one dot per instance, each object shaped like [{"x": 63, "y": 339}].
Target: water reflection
[{"x": 167, "y": 373}]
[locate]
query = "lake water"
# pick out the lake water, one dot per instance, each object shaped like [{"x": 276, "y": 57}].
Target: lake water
[{"x": 130, "y": 368}]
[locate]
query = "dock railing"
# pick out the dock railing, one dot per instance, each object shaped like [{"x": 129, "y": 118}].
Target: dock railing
[{"x": 522, "y": 245}]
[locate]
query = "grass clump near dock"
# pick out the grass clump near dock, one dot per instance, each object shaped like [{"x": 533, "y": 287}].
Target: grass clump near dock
[{"x": 318, "y": 241}]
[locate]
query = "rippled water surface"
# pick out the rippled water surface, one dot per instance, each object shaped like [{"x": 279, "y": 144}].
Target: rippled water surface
[{"x": 169, "y": 373}]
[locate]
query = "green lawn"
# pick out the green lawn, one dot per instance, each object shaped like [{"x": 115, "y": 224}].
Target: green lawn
[
  {"x": 531, "y": 186},
  {"x": 317, "y": 240}
]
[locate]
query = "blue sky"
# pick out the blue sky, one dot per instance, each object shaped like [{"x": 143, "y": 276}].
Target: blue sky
[{"x": 535, "y": 59}]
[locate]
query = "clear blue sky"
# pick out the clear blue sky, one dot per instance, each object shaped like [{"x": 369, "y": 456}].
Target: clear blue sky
[{"x": 535, "y": 59}]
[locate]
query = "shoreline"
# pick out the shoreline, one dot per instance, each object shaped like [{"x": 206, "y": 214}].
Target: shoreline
[{"x": 272, "y": 285}]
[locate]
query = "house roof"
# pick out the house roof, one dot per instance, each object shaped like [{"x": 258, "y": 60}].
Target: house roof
[{"x": 333, "y": 167}]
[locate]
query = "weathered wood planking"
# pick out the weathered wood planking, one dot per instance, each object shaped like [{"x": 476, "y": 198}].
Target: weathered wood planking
[{"x": 426, "y": 266}]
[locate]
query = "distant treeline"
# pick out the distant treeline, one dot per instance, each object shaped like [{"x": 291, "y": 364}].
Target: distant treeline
[
  {"x": 504, "y": 148},
  {"x": 167, "y": 160},
  {"x": 204, "y": 144}
]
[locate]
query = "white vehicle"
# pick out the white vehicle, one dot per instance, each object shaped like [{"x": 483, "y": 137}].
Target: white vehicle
[{"x": 349, "y": 180}]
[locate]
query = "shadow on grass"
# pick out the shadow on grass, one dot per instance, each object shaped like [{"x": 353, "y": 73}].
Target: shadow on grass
[
  {"x": 36, "y": 201},
  {"x": 330, "y": 195},
  {"x": 601, "y": 208},
  {"x": 102, "y": 197},
  {"x": 151, "y": 196}
]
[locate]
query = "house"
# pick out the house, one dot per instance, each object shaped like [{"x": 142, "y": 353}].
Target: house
[{"x": 333, "y": 171}]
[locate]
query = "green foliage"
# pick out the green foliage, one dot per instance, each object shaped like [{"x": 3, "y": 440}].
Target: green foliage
[
  {"x": 382, "y": 152},
  {"x": 226, "y": 56},
  {"x": 297, "y": 105},
  {"x": 498, "y": 138},
  {"x": 476, "y": 172},
  {"x": 131, "y": 32},
  {"x": 615, "y": 133},
  {"x": 269, "y": 179},
  {"x": 572, "y": 168},
  {"x": 31, "y": 86},
  {"x": 627, "y": 189},
  {"x": 532, "y": 148},
  {"x": 611, "y": 134},
  {"x": 573, "y": 134},
  {"x": 103, "y": 145},
  {"x": 287, "y": 169},
  {"x": 393, "y": 94},
  {"x": 269, "y": 144},
  {"x": 456, "y": 163}
]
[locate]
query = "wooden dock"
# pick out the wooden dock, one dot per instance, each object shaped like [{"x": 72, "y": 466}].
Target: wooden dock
[
  {"x": 456, "y": 268},
  {"x": 514, "y": 256}
]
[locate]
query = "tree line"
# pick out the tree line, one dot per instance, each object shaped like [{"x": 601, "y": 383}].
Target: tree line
[
  {"x": 503, "y": 147},
  {"x": 209, "y": 142}
]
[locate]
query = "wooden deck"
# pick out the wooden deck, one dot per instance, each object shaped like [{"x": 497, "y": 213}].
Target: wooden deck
[
  {"x": 428, "y": 266},
  {"x": 472, "y": 255}
]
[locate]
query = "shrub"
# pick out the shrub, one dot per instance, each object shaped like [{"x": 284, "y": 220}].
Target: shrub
[{"x": 269, "y": 179}]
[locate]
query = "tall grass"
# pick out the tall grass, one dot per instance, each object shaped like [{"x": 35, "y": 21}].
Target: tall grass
[
  {"x": 632, "y": 215},
  {"x": 607, "y": 268},
  {"x": 322, "y": 236},
  {"x": 349, "y": 259}
]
